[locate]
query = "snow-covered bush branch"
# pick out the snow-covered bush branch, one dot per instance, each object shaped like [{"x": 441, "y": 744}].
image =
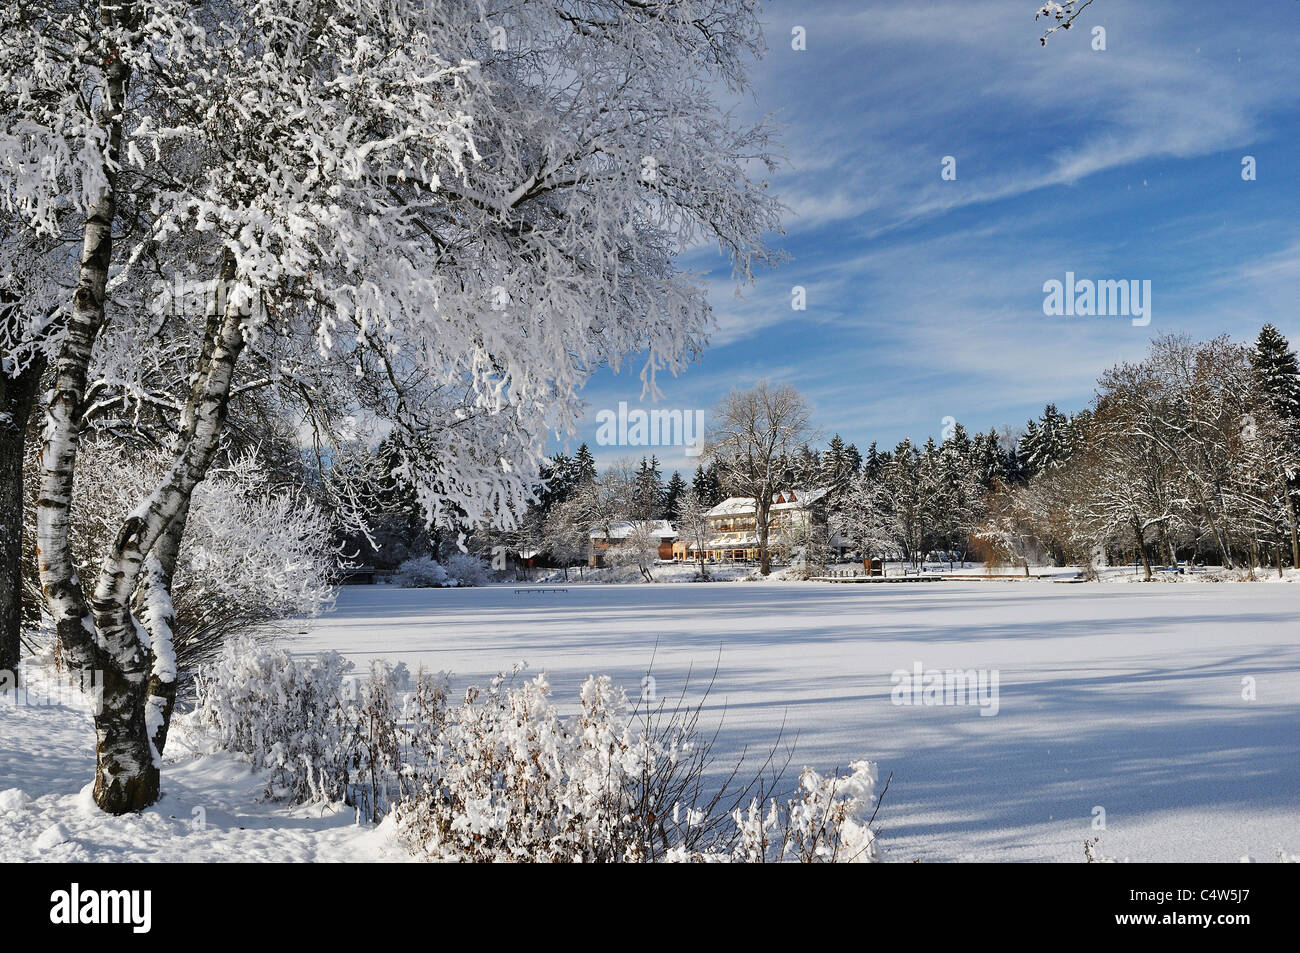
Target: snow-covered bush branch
[
  {"x": 503, "y": 776},
  {"x": 253, "y": 553}
]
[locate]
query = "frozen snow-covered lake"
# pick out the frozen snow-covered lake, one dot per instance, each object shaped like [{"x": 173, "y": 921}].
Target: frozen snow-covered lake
[{"x": 1125, "y": 698}]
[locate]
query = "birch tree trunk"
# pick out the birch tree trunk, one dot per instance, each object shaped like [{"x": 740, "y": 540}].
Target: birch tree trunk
[
  {"x": 64, "y": 408},
  {"x": 136, "y": 715},
  {"x": 123, "y": 781},
  {"x": 158, "y": 615},
  {"x": 100, "y": 635}
]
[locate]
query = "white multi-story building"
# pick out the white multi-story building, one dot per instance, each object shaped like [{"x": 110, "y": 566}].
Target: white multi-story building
[{"x": 733, "y": 527}]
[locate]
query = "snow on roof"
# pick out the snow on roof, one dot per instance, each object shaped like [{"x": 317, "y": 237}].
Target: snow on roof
[
  {"x": 732, "y": 505},
  {"x": 790, "y": 500},
  {"x": 662, "y": 529}
]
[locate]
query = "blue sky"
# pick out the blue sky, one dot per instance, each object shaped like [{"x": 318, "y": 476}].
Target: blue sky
[{"x": 924, "y": 296}]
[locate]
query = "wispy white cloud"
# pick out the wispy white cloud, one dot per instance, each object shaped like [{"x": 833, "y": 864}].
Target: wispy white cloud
[{"x": 924, "y": 296}]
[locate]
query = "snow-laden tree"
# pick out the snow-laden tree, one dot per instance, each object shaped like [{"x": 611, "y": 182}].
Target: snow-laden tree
[
  {"x": 863, "y": 517},
  {"x": 908, "y": 491},
  {"x": 1277, "y": 370},
  {"x": 1047, "y": 442},
  {"x": 694, "y": 528},
  {"x": 1184, "y": 449},
  {"x": 1190, "y": 400},
  {"x": 594, "y": 509},
  {"x": 960, "y": 494},
  {"x": 256, "y": 549},
  {"x": 756, "y": 431},
  {"x": 564, "y": 538},
  {"x": 469, "y": 206},
  {"x": 1277, "y": 374},
  {"x": 639, "y": 548},
  {"x": 36, "y": 268},
  {"x": 1124, "y": 485}
]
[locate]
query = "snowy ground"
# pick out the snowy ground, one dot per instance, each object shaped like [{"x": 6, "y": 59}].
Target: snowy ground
[
  {"x": 211, "y": 809},
  {"x": 1127, "y": 698}
]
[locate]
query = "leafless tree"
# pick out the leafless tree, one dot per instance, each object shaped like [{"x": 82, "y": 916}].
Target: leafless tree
[
  {"x": 757, "y": 430},
  {"x": 693, "y": 527}
]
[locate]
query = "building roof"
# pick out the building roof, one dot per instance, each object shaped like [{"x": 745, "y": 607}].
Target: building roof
[
  {"x": 660, "y": 529},
  {"x": 792, "y": 499}
]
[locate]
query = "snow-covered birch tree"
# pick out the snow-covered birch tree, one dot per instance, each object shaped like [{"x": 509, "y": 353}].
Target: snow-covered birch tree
[{"x": 468, "y": 206}]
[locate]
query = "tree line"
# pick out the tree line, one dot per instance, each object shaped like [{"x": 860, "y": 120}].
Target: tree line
[{"x": 1191, "y": 453}]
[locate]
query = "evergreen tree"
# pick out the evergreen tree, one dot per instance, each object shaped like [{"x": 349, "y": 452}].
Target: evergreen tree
[
  {"x": 716, "y": 491},
  {"x": 902, "y": 487},
  {"x": 807, "y": 467},
  {"x": 962, "y": 492},
  {"x": 988, "y": 463},
  {"x": 1274, "y": 364},
  {"x": 700, "y": 485},
  {"x": 649, "y": 490},
  {"x": 837, "y": 466},
  {"x": 673, "y": 494},
  {"x": 871, "y": 464},
  {"x": 959, "y": 442},
  {"x": 1027, "y": 448},
  {"x": 584, "y": 466},
  {"x": 1046, "y": 443}
]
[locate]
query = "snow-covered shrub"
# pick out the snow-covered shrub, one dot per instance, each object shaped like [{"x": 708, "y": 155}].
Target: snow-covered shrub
[
  {"x": 458, "y": 569},
  {"x": 498, "y": 797},
  {"x": 324, "y": 733},
  {"x": 502, "y": 776},
  {"x": 391, "y": 726},
  {"x": 466, "y": 569},
  {"x": 285, "y": 715},
  {"x": 371, "y": 734},
  {"x": 520, "y": 783},
  {"x": 827, "y": 821},
  {"x": 252, "y": 553},
  {"x": 422, "y": 572}
]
